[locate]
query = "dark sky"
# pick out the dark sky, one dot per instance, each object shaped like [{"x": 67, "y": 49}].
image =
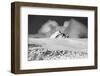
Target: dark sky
[{"x": 36, "y": 21}]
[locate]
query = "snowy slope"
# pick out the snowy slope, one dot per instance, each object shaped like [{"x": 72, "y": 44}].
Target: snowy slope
[{"x": 48, "y": 49}]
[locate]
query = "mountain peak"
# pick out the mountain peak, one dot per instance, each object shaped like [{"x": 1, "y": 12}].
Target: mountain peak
[{"x": 58, "y": 34}]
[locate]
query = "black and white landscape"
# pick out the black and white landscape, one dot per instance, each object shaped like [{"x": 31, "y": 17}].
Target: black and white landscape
[{"x": 57, "y": 37}]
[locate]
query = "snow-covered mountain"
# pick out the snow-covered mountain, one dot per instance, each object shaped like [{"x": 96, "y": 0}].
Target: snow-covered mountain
[{"x": 58, "y": 34}]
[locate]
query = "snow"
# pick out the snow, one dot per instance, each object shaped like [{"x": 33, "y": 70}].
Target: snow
[{"x": 57, "y": 48}]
